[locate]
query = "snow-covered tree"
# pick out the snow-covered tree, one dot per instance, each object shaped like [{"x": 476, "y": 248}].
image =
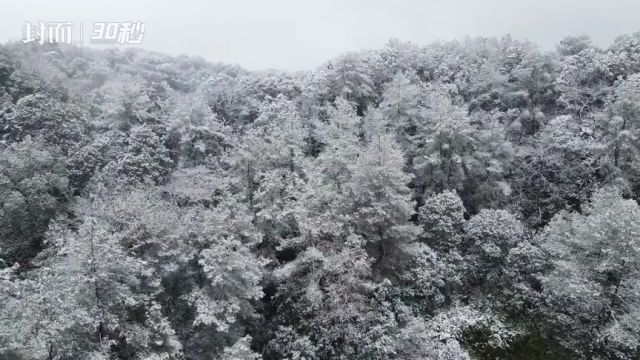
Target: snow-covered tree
[
  {"x": 60, "y": 124},
  {"x": 442, "y": 216},
  {"x": 196, "y": 132},
  {"x": 584, "y": 80},
  {"x": 442, "y": 158},
  {"x": 144, "y": 159},
  {"x": 592, "y": 292},
  {"x": 380, "y": 199},
  {"x": 491, "y": 234},
  {"x": 33, "y": 191}
]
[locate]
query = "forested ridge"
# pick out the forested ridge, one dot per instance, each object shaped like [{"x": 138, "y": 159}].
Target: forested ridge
[{"x": 472, "y": 199}]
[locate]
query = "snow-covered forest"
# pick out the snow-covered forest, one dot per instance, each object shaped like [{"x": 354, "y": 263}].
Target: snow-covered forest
[{"x": 473, "y": 199}]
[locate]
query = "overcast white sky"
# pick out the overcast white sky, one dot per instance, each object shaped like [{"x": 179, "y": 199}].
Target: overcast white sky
[{"x": 300, "y": 35}]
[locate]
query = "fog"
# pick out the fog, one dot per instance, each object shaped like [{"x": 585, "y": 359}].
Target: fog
[{"x": 300, "y": 35}]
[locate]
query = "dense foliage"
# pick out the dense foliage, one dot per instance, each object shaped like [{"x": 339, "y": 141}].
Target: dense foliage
[{"x": 473, "y": 199}]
